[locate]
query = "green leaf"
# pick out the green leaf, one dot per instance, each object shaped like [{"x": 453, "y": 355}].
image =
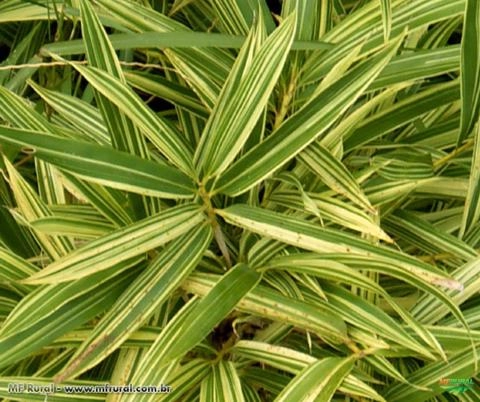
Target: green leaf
[
  {"x": 386, "y": 6},
  {"x": 103, "y": 165},
  {"x": 191, "y": 325},
  {"x": 223, "y": 384},
  {"x": 101, "y": 54},
  {"x": 317, "y": 382},
  {"x": 305, "y": 126},
  {"x": 120, "y": 245},
  {"x": 270, "y": 304},
  {"x": 471, "y": 212},
  {"x": 243, "y": 98},
  {"x": 53, "y": 310},
  {"x": 160, "y": 132},
  {"x": 470, "y": 69},
  {"x": 139, "y": 301}
]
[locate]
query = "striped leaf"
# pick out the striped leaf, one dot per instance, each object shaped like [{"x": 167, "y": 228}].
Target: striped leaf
[
  {"x": 13, "y": 267},
  {"x": 78, "y": 113},
  {"x": 243, "y": 98},
  {"x": 191, "y": 324},
  {"x": 281, "y": 357},
  {"x": 414, "y": 230},
  {"x": 223, "y": 384},
  {"x": 460, "y": 365},
  {"x": 319, "y": 381},
  {"x": 53, "y": 310},
  {"x": 291, "y": 361},
  {"x": 356, "y": 311},
  {"x": 103, "y": 165},
  {"x": 422, "y": 63},
  {"x": 428, "y": 310},
  {"x": 237, "y": 15},
  {"x": 403, "y": 112},
  {"x": 403, "y": 164},
  {"x": 332, "y": 270},
  {"x": 386, "y": 6},
  {"x": 179, "y": 95},
  {"x": 366, "y": 25},
  {"x": 264, "y": 302},
  {"x": 328, "y": 208},
  {"x": 470, "y": 69},
  {"x": 322, "y": 240},
  {"x": 204, "y": 69},
  {"x": 182, "y": 380},
  {"x": 77, "y": 228},
  {"x": 471, "y": 212},
  {"x": 120, "y": 245},
  {"x": 101, "y": 54},
  {"x": 334, "y": 174},
  {"x": 160, "y": 132},
  {"x": 308, "y": 124},
  {"x": 146, "y": 294},
  {"x": 31, "y": 207}
]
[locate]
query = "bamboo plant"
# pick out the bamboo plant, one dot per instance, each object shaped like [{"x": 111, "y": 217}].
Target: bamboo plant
[{"x": 240, "y": 200}]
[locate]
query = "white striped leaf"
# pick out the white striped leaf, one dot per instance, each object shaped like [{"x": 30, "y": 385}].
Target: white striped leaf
[
  {"x": 101, "y": 54},
  {"x": 204, "y": 69},
  {"x": 160, "y": 132},
  {"x": 470, "y": 69},
  {"x": 145, "y": 294},
  {"x": 413, "y": 229},
  {"x": 223, "y": 384},
  {"x": 305, "y": 126},
  {"x": 312, "y": 237},
  {"x": 120, "y": 245},
  {"x": 76, "y": 228},
  {"x": 281, "y": 357},
  {"x": 31, "y": 207},
  {"x": 78, "y": 113},
  {"x": 317, "y": 382},
  {"x": 366, "y": 22},
  {"x": 386, "y": 6},
  {"x": 337, "y": 272},
  {"x": 332, "y": 209},
  {"x": 471, "y": 212},
  {"x": 334, "y": 174},
  {"x": 103, "y": 165},
  {"x": 242, "y": 101},
  {"x": 53, "y": 310},
  {"x": 191, "y": 324},
  {"x": 270, "y": 304},
  {"x": 461, "y": 365},
  {"x": 403, "y": 112},
  {"x": 182, "y": 380}
]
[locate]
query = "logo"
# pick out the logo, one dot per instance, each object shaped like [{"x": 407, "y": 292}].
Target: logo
[{"x": 456, "y": 385}]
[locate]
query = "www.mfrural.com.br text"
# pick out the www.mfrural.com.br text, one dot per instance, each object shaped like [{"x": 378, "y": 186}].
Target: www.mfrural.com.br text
[{"x": 46, "y": 389}]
